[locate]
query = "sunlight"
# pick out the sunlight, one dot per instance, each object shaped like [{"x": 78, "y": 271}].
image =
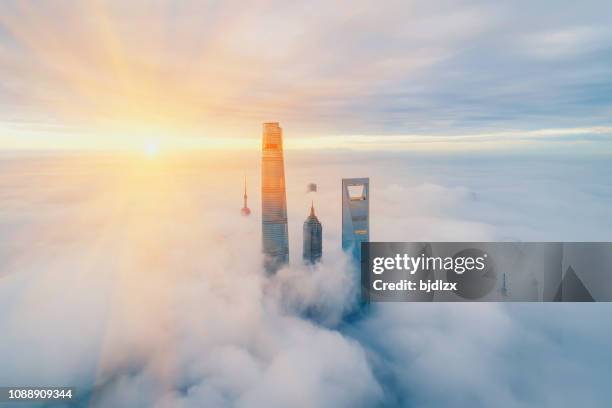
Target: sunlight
[{"x": 151, "y": 149}]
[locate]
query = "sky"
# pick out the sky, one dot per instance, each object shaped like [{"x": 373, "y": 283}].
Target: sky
[
  {"x": 412, "y": 75},
  {"x": 134, "y": 278},
  {"x": 139, "y": 283}
]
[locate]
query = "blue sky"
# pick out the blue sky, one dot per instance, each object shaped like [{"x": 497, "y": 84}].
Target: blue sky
[{"x": 98, "y": 73}]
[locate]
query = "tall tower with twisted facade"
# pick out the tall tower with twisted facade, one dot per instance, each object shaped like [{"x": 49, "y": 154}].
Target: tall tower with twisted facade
[{"x": 275, "y": 237}]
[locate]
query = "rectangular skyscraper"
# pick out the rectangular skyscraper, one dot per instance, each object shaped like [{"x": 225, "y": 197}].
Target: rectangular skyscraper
[
  {"x": 355, "y": 215},
  {"x": 273, "y": 199}
]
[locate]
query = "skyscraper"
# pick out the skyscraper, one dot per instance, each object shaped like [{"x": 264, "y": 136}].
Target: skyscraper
[
  {"x": 313, "y": 238},
  {"x": 274, "y": 232},
  {"x": 245, "y": 211},
  {"x": 355, "y": 215}
]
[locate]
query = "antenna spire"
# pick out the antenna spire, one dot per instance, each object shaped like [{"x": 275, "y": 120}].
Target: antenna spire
[{"x": 245, "y": 209}]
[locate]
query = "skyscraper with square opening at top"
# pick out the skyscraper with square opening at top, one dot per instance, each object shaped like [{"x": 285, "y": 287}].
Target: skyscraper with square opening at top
[
  {"x": 355, "y": 214},
  {"x": 275, "y": 237}
]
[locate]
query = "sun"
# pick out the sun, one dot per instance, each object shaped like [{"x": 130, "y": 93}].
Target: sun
[{"x": 151, "y": 149}]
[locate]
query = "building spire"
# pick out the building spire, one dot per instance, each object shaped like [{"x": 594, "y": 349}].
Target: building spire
[
  {"x": 245, "y": 208},
  {"x": 313, "y": 238},
  {"x": 245, "y": 192}
]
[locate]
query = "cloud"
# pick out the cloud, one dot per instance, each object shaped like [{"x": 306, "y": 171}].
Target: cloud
[
  {"x": 567, "y": 43},
  {"x": 589, "y": 138},
  {"x": 116, "y": 72},
  {"x": 139, "y": 283}
]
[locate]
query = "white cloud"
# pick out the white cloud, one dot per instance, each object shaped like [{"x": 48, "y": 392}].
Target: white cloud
[
  {"x": 566, "y": 43},
  {"x": 141, "y": 280}
]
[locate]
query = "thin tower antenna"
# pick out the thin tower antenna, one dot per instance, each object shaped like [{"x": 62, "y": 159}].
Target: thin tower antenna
[
  {"x": 245, "y": 211},
  {"x": 245, "y": 192}
]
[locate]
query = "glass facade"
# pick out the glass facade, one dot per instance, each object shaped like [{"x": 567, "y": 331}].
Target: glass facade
[
  {"x": 313, "y": 239},
  {"x": 355, "y": 215},
  {"x": 275, "y": 239}
]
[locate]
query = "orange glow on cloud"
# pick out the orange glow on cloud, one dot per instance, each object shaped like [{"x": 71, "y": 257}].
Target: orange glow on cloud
[
  {"x": 112, "y": 74},
  {"x": 103, "y": 74},
  {"x": 115, "y": 88}
]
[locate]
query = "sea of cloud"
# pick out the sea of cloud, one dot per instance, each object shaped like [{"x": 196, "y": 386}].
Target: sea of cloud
[{"x": 138, "y": 282}]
